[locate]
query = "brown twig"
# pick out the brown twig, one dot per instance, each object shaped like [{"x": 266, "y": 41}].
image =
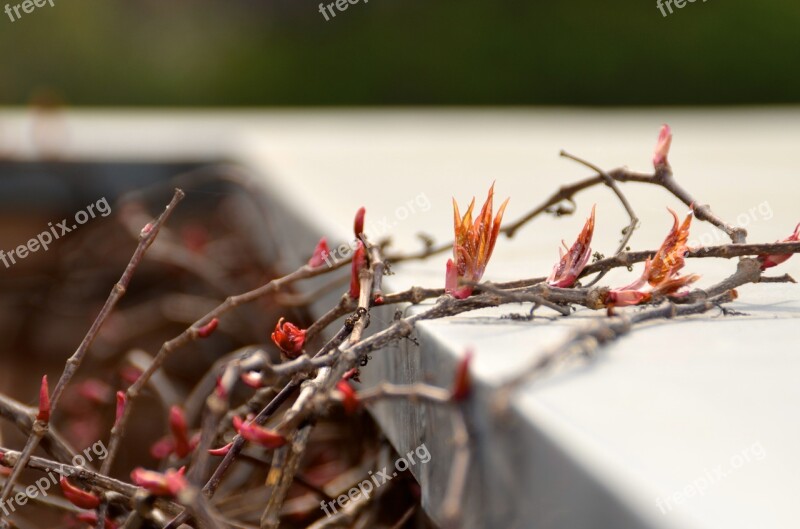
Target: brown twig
[
  {"x": 191, "y": 334},
  {"x": 627, "y": 232},
  {"x": 22, "y": 417},
  {"x": 93, "y": 479}
]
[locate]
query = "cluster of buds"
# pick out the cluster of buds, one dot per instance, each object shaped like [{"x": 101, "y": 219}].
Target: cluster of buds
[
  {"x": 289, "y": 338},
  {"x": 473, "y": 245},
  {"x": 661, "y": 272}
]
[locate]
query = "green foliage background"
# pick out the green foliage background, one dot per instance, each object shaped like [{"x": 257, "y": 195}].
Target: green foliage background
[{"x": 402, "y": 52}]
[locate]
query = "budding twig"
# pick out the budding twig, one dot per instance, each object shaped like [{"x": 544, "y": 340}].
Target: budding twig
[{"x": 146, "y": 238}]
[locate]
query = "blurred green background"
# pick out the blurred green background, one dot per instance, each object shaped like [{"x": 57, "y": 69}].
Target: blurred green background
[{"x": 401, "y": 52}]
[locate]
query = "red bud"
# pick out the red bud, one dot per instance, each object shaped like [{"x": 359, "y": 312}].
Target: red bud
[
  {"x": 44, "y": 402},
  {"x": 359, "y": 263},
  {"x": 206, "y": 330},
  {"x": 289, "y": 338},
  {"x": 257, "y": 434},
  {"x": 353, "y": 374},
  {"x": 462, "y": 384},
  {"x": 349, "y": 398},
  {"x": 222, "y": 451},
  {"x": 162, "y": 448},
  {"x": 321, "y": 253},
  {"x": 358, "y": 225},
  {"x": 122, "y": 401},
  {"x": 168, "y": 484},
  {"x": 662, "y": 147},
  {"x": 768, "y": 261},
  {"x": 79, "y": 497},
  {"x": 177, "y": 424}
]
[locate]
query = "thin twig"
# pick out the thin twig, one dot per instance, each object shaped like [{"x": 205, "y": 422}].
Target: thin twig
[{"x": 627, "y": 233}]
